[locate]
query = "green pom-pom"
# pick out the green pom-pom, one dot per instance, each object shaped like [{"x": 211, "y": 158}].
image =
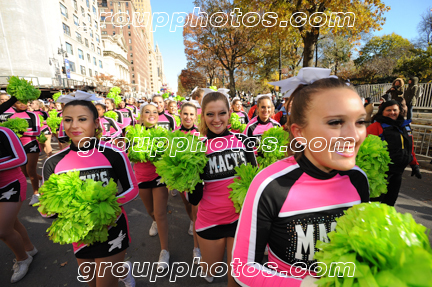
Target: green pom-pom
[
  {"x": 235, "y": 122},
  {"x": 85, "y": 208},
  {"x": 388, "y": 249},
  {"x": 42, "y": 138},
  {"x": 111, "y": 114},
  {"x": 165, "y": 96},
  {"x": 182, "y": 163},
  {"x": 114, "y": 94},
  {"x": 53, "y": 121},
  {"x": 274, "y": 143},
  {"x": 374, "y": 159},
  {"x": 17, "y": 125},
  {"x": 177, "y": 119},
  {"x": 244, "y": 176},
  {"x": 148, "y": 147},
  {"x": 243, "y": 127},
  {"x": 22, "y": 89},
  {"x": 56, "y": 96}
]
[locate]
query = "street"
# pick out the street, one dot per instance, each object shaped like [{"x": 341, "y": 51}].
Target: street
[{"x": 55, "y": 265}]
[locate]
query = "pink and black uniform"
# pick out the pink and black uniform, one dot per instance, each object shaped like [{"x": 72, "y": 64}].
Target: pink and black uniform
[
  {"x": 167, "y": 121},
  {"x": 13, "y": 184},
  {"x": 244, "y": 119},
  {"x": 193, "y": 130},
  {"x": 146, "y": 175},
  {"x": 216, "y": 213},
  {"x": 28, "y": 139},
  {"x": 7, "y": 114},
  {"x": 45, "y": 128},
  {"x": 289, "y": 206},
  {"x": 101, "y": 161},
  {"x": 128, "y": 117},
  {"x": 134, "y": 110},
  {"x": 61, "y": 134},
  {"x": 256, "y": 127},
  {"x": 110, "y": 128}
]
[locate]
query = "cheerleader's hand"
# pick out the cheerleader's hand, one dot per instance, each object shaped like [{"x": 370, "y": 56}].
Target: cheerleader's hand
[{"x": 309, "y": 281}]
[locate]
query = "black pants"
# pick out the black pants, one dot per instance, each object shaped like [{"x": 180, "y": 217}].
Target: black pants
[
  {"x": 409, "y": 112},
  {"x": 394, "y": 181}
]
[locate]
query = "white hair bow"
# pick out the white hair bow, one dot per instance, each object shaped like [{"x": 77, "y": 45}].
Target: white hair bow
[
  {"x": 78, "y": 95},
  {"x": 145, "y": 104},
  {"x": 305, "y": 76},
  {"x": 223, "y": 91}
]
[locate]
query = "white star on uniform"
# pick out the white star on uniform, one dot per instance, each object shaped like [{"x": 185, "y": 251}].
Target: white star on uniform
[
  {"x": 158, "y": 181},
  {"x": 8, "y": 194},
  {"x": 117, "y": 243},
  {"x": 33, "y": 149}
]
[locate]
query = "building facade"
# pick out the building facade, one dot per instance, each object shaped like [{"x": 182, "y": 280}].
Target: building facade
[{"x": 115, "y": 57}]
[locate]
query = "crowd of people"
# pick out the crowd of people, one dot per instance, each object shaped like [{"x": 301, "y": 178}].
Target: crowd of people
[{"x": 297, "y": 197}]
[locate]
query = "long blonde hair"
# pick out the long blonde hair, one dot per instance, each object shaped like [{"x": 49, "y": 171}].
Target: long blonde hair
[{"x": 211, "y": 97}]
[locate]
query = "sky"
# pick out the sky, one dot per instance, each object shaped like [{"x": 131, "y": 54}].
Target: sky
[{"x": 401, "y": 19}]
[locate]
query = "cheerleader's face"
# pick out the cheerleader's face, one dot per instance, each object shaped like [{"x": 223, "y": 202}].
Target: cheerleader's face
[
  {"x": 3, "y": 98},
  {"x": 122, "y": 105},
  {"x": 20, "y": 107},
  {"x": 335, "y": 129},
  {"x": 160, "y": 103},
  {"x": 188, "y": 117},
  {"x": 101, "y": 110},
  {"x": 58, "y": 106},
  {"x": 150, "y": 115},
  {"x": 79, "y": 123},
  {"x": 109, "y": 105},
  {"x": 237, "y": 106},
  {"x": 216, "y": 116},
  {"x": 35, "y": 105},
  {"x": 172, "y": 108},
  {"x": 265, "y": 109}
]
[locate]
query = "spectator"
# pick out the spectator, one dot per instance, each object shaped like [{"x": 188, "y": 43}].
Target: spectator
[
  {"x": 368, "y": 105},
  {"x": 411, "y": 95},
  {"x": 397, "y": 89}
]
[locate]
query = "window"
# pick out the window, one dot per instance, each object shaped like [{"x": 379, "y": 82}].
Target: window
[
  {"x": 80, "y": 54},
  {"x": 100, "y": 64},
  {"x": 130, "y": 48},
  {"x": 63, "y": 10},
  {"x": 93, "y": 47},
  {"x": 102, "y": 18},
  {"x": 130, "y": 41},
  {"x": 86, "y": 43},
  {"x": 128, "y": 26},
  {"x": 82, "y": 11},
  {"x": 131, "y": 62},
  {"x": 91, "y": 33},
  {"x": 69, "y": 48},
  {"x": 131, "y": 55},
  {"x": 84, "y": 27},
  {"x": 96, "y": 73},
  {"x": 110, "y": 3},
  {"x": 95, "y": 25},
  {"x": 97, "y": 38},
  {"x": 133, "y": 75},
  {"x": 119, "y": 3},
  {"x": 113, "y": 33},
  {"x": 78, "y": 36},
  {"x": 132, "y": 69},
  {"x": 75, "y": 5},
  {"x": 88, "y": 4},
  {"x": 76, "y": 20},
  {"x": 129, "y": 34},
  {"x": 94, "y": 61},
  {"x": 88, "y": 58},
  {"x": 90, "y": 73},
  {"x": 94, "y": 10},
  {"x": 127, "y": 4},
  {"x": 72, "y": 66},
  {"x": 111, "y": 10},
  {"x": 89, "y": 18},
  {"x": 133, "y": 81},
  {"x": 99, "y": 51},
  {"x": 66, "y": 29},
  {"x": 83, "y": 71},
  {"x": 104, "y": 33}
]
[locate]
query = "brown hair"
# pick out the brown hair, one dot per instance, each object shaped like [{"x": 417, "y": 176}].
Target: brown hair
[
  {"x": 302, "y": 98},
  {"x": 211, "y": 97},
  {"x": 112, "y": 103},
  {"x": 263, "y": 98},
  {"x": 197, "y": 94},
  {"x": 187, "y": 104}
]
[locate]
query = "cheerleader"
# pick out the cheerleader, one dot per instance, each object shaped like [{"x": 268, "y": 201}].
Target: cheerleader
[
  {"x": 13, "y": 188},
  {"x": 188, "y": 115},
  {"x": 81, "y": 123},
  {"x": 153, "y": 193},
  {"x": 263, "y": 121},
  {"x": 110, "y": 106},
  {"x": 63, "y": 139},
  {"x": 216, "y": 219},
  {"x": 38, "y": 106},
  {"x": 165, "y": 120},
  {"x": 173, "y": 111},
  {"x": 31, "y": 146},
  {"x": 237, "y": 108},
  {"x": 295, "y": 202},
  {"x": 197, "y": 97},
  {"x": 128, "y": 117},
  {"x": 110, "y": 128}
]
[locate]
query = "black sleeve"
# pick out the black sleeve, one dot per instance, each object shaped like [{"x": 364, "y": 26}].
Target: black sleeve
[
  {"x": 195, "y": 197},
  {"x": 45, "y": 115},
  {"x": 6, "y": 105},
  {"x": 248, "y": 143},
  {"x": 246, "y": 117}
]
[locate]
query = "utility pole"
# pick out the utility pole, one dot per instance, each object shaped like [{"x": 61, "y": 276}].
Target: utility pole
[{"x": 280, "y": 60}]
